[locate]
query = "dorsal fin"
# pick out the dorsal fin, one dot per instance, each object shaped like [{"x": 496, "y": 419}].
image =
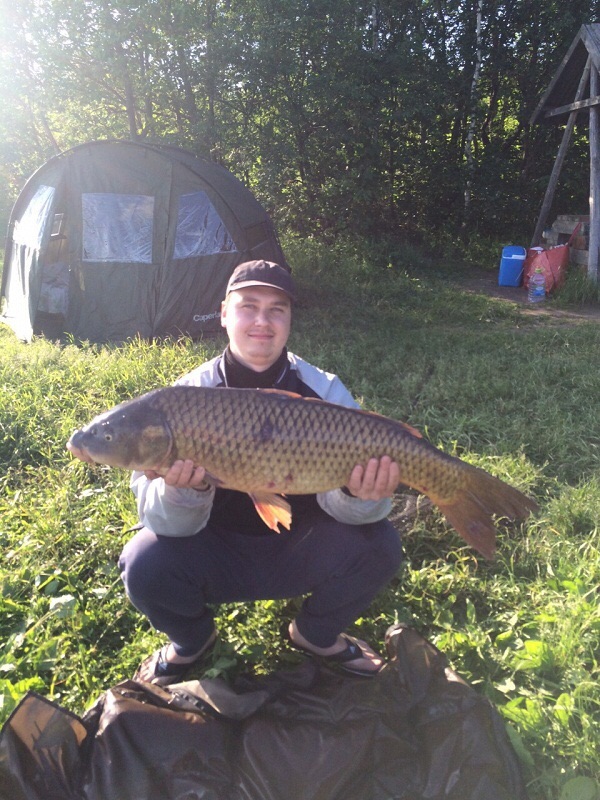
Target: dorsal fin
[{"x": 285, "y": 393}]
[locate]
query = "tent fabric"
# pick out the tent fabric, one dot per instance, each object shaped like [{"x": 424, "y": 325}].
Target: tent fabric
[
  {"x": 416, "y": 731},
  {"x": 119, "y": 239}
]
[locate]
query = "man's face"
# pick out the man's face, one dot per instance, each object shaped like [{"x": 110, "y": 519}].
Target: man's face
[{"x": 257, "y": 320}]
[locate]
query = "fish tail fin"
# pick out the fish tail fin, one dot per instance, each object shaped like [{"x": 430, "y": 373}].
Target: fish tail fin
[
  {"x": 471, "y": 510},
  {"x": 272, "y": 509}
]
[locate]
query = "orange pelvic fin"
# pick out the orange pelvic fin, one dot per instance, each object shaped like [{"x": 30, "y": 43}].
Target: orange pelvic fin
[
  {"x": 473, "y": 508},
  {"x": 273, "y": 510}
]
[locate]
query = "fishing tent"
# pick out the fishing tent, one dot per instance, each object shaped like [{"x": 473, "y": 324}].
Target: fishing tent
[{"x": 116, "y": 239}]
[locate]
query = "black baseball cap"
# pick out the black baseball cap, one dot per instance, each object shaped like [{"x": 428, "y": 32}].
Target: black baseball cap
[{"x": 262, "y": 273}]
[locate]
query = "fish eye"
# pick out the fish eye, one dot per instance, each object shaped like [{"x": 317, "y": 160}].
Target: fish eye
[{"x": 108, "y": 437}]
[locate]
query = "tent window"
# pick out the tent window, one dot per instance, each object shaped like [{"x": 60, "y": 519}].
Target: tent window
[
  {"x": 200, "y": 229},
  {"x": 117, "y": 227},
  {"x": 29, "y": 230}
]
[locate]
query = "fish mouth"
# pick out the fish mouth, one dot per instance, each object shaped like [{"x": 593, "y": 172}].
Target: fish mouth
[{"x": 78, "y": 452}]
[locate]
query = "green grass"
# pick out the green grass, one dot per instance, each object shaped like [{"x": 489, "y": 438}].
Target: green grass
[{"x": 515, "y": 395}]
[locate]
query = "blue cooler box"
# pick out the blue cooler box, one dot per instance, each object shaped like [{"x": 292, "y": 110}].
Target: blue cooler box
[{"x": 511, "y": 265}]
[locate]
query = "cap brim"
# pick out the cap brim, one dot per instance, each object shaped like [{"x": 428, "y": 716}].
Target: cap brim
[{"x": 246, "y": 284}]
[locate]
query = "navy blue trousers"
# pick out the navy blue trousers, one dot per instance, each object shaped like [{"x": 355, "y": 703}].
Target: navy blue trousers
[{"x": 174, "y": 581}]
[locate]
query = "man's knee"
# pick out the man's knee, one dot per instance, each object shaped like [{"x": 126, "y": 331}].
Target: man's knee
[
  {"x": 377, "y": 546},
  {"x": 142, "y": 565},
  {"x": 389, "y": 544}
]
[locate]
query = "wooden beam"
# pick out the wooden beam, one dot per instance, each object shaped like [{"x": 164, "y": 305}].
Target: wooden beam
[
  {"x": 592, "y": 269},
  {"x": 590, "y": 36},
  {"x": 562, "y": 151},
  {"x": 556, "y": 79},
  {"x": 555, "y": 112}
]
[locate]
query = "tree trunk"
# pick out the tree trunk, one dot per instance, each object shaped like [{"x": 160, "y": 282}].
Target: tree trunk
[
  {"x": 128, "y": 88},
  {"x": 594, "y": 180},
  {"x": 470, "y": 137}
]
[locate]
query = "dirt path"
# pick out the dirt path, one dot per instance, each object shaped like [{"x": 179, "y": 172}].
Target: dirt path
[{"x": 480, "y": 281}]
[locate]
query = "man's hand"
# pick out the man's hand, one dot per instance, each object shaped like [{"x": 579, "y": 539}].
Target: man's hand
[
  {"x": 182, "y": 475},
  {"x": 377, "y": 480}
]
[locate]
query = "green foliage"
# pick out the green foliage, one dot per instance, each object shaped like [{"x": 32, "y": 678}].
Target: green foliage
[
  {"x": 340, "y": 116},
  {"x": 579, "y": 290}
]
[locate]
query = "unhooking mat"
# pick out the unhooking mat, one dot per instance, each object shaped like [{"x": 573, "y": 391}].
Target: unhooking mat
[{"x": 416, "y": 731}]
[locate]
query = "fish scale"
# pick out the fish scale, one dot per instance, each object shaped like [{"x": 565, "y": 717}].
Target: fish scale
[
  {"x": 269, "y": 443},
  {"x": 289, "y": 434}
]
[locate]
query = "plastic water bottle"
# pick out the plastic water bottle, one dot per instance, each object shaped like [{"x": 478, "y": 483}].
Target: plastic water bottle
[{"x": 536, "y": 291}]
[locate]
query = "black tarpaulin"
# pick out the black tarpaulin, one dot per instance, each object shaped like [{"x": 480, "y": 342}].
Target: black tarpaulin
[{"x": 414, "y": 732}]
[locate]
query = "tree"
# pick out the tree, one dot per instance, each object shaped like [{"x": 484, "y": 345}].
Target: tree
[{"x": 379, "y": 117}]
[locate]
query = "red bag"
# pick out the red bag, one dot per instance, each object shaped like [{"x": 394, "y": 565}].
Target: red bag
[{"x": 552, "y": 262}]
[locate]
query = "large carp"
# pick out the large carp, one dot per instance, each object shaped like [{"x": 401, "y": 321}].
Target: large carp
[{"x": 270, "y": 443}]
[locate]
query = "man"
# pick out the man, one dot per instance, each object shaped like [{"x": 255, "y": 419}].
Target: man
[{"x": 202, "y": 546}]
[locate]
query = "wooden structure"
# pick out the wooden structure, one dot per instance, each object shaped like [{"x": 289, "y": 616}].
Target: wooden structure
[
  {"x": 575, "y": 88},
  {"x": 572, "y": 229}
]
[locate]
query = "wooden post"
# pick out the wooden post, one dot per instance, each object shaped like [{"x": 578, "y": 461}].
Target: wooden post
[
  {"x": 594, "y": 236},
  {"x": 562, "y": 151}
]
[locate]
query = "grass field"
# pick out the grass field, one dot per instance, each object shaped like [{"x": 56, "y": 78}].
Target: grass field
[{"x": 515, "y": 395}]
